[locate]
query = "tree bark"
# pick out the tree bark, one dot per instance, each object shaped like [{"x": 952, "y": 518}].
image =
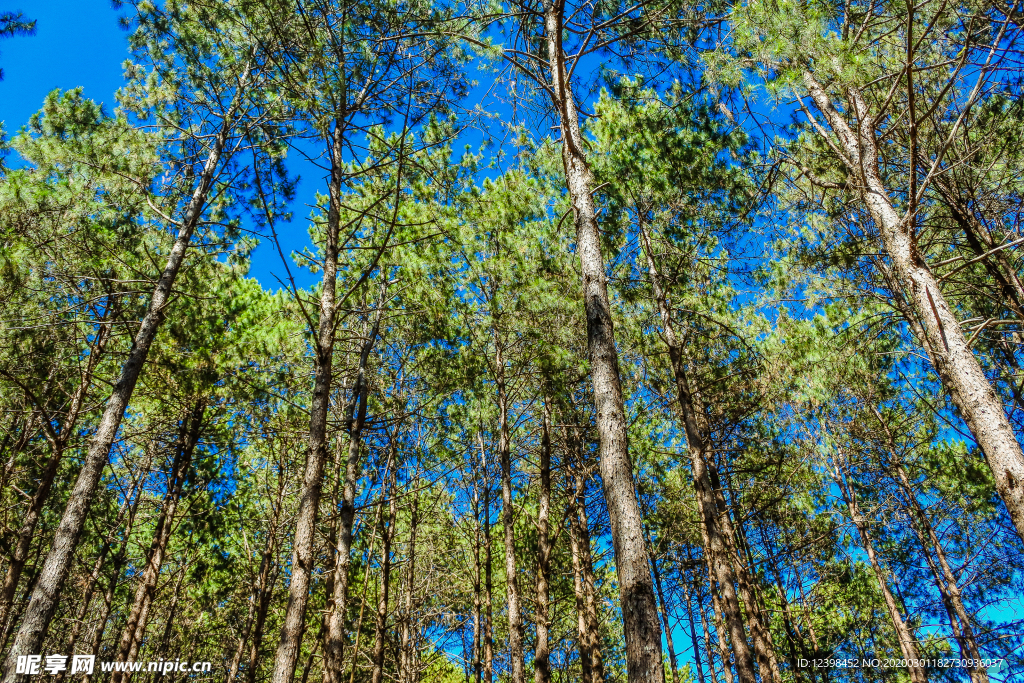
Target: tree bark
[
  {"x": 287, "y": 655},
  {"x": 542, "y": 667},
  {"x": 947, "y": 345},
  {"x": 636, "y": 589},
  {"x": 58, "y": 562}
]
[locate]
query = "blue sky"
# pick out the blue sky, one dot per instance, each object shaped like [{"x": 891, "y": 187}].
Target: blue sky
[{"x": 78, "y": 43}]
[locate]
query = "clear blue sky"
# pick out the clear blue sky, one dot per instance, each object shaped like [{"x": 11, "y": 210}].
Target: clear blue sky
[{"x": 77, "y": 43}]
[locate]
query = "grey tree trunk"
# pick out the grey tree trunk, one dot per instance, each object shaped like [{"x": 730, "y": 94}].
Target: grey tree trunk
[
  {"x": 287, "y": 655},
  {"x": 947, "y": 346},
  {"x": 381, "y": 617},
  {"x": 407, "y": 672},
  {"x": 944, "y": 580},
  {"x": 55, "y": 570},
  {"x": 265, "y": 585},
  {"x": 588, "y": 627},
  {"x": 636, "y": 588}
]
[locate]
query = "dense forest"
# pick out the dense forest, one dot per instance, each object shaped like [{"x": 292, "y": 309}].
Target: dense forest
[{"x": 649, "y": 342}]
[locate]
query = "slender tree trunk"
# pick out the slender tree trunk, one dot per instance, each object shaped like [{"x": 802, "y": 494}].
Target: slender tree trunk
[
  {"x": 542, "y": 667},
  {"x": 515, "y": 609},
  {"x": 119, "y": 559},
  {"x": 708, "y": 647},
  {"x": 907, "y": 642},
  {"x": 265, "y": 586},
  {"x": 693, "y": 628},
  {"x": 381, "y": 620},
  {"x": 335, "y": 644},
  {"x": 477, "y": 584},
  {"x": 714, "y": 522},
  {"x": 488, "y": 570},
  {"x": 718, "y": 610},
  {"x": 94, "y": 576},
  {"x": 761, "y": 637},
  {"x": 58, "y": 562},
  {"x": 135, "y": 627},
  {"x": 407, "y": 656},
  {"x": 288, "y": 649},
  {"x": 664, "y": 616},
  {"x": 583, "y": 576},
  {"x": 636, "y": 588},
  {"x": 947, "y": 346}
]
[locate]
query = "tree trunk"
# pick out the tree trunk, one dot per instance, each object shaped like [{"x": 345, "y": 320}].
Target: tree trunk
[
  {"x": 335, "y": 643},
  {"x": 515, "y": 610},
  {"x": 761, "y": 638},
  {"x": 407, "y": 672},
  {"x": 583, "y": 576},
  {"x": 907, "y": 643},
  {"x": 947, "y": 347},
  {"x": 477, "y": 584},
  {"x": 488, "y": 570},
  {"x": 381, "y": 620},
  {"x": 693, "y": 627},
  {"x": 714, "y": 525},
  {"x": 135, "y": 627},
  {"x": 636, "y": 588},
  {"x": 542, "y": 667},
  {"x": 58, "y": 562},
  {"x": 265, "y": 587},
  {"x": 287, "y": 655},
  {"x": 718, "y": 610},
  {"x": 673, "y": 668},
  {"x": 119, "y": 559}
]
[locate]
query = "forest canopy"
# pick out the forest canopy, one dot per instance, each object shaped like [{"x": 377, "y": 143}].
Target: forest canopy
[{"x": 655, "y": 342}]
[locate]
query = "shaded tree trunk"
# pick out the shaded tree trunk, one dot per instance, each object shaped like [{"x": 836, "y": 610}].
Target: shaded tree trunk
[
  {"x": 583, "y": 576},
  {"x": 381, "y": 619},
  {"x": 515, "y": 609},
  {"x": 407, "y": 662},
  {"x": 356, "y": 418},
  {"x": 289, "y": 646},
  {"x": 907, "y": 642}
]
